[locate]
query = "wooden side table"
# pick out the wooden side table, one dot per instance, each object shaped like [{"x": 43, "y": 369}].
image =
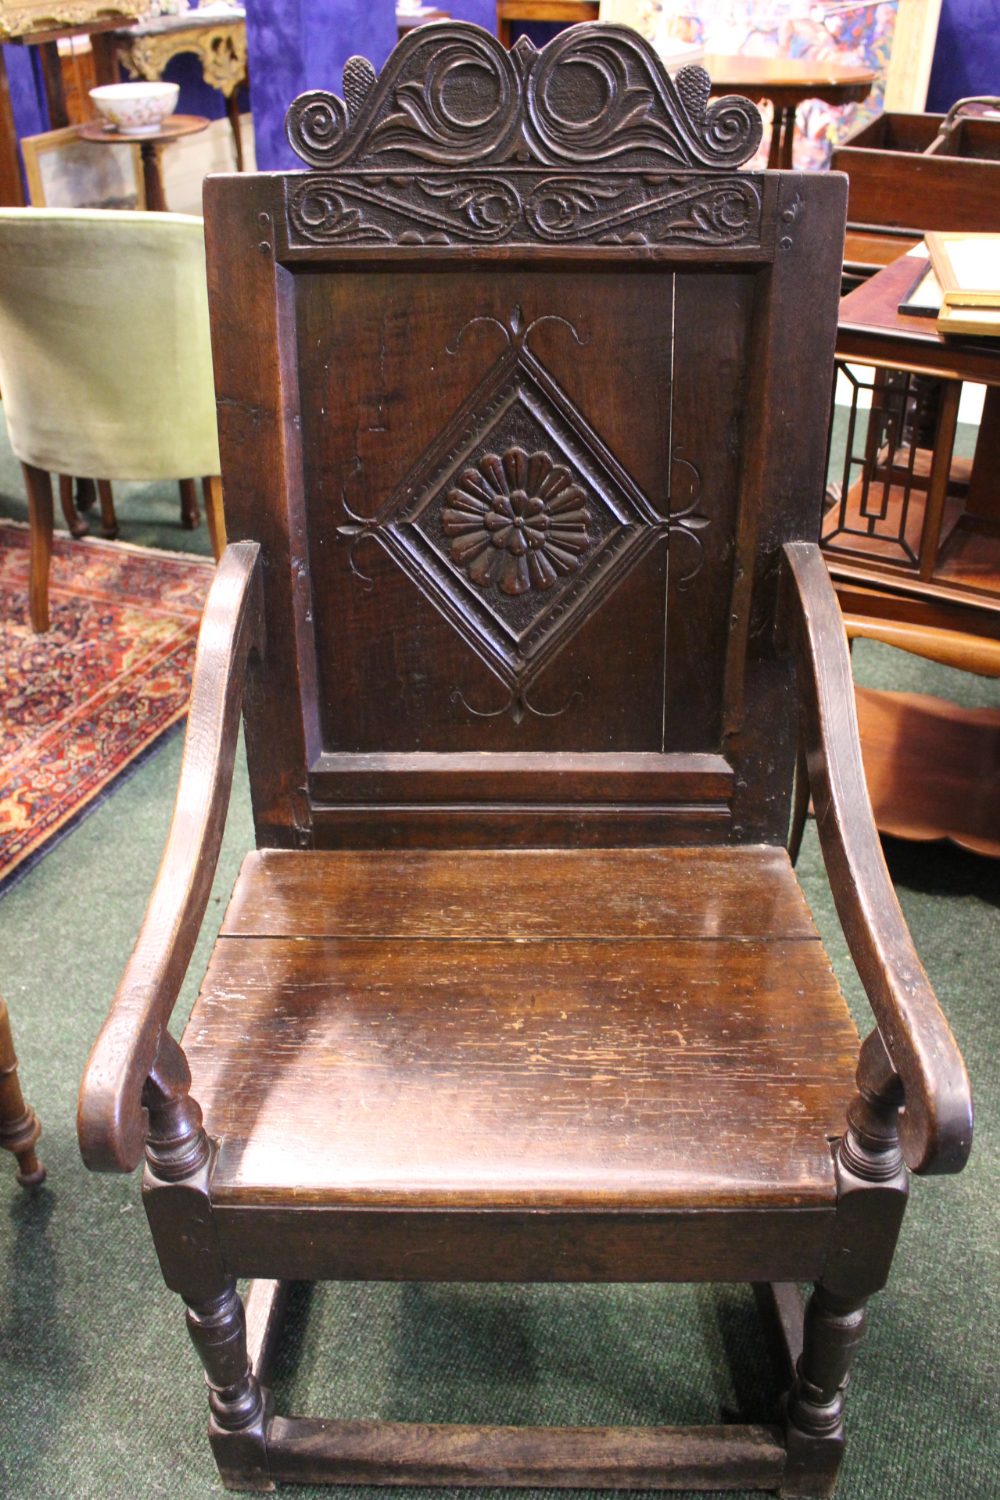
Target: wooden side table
[
  {"x": 913, "y": 547},
  {"x": 787, "y": 82},
  {"x": 219, "y": 42},
  {"x": 150, "y": 147}
]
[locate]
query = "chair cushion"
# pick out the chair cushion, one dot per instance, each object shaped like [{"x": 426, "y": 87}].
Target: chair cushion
[{"x": 623, "y": 1029}]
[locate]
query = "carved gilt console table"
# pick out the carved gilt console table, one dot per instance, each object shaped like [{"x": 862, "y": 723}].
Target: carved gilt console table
[{"x": 218, "y": 40}]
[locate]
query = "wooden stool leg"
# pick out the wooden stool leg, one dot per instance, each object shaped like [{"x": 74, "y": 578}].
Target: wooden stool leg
[
  {"x": 19, "y": 1127},
  {"x": 109, "y": 520},
  {"x": 211, "y": 488},
  {"x": 75, "y": 523},
  {"x": 39, "y": 486},
  {"x": 189, "y": 504}
]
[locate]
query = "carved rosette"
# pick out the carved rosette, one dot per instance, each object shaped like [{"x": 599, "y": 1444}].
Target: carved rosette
[{"x": 518, "y": 522}]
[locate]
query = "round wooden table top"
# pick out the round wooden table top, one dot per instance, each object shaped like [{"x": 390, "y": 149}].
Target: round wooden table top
[
  {"x": 173, "y": 127},
  {"x": 788, "y": 81}
]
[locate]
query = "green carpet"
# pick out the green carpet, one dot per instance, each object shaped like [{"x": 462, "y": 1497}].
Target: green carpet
[{"x": 100, "y": 1391}]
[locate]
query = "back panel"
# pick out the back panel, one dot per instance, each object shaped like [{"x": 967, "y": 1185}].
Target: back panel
[{"x": 521, "y": 393}]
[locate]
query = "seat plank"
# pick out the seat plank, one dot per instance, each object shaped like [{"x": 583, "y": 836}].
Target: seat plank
[
  {"x": 747, "y": 891},
  {"x": 537, "y": 1073}
]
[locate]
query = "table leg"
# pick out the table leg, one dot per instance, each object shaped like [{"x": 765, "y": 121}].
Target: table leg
[
  {"x": 105, "y": 49},
  {"x": 786, "y": 140},
  {"x": 11, "y": 191},
  {"x": 782, "y": 134},
  {"x": 55, "y": 94},
  {"x": 151, "y": 177},
  {"x": 940, "y": 475},
  {"x": 984, "y": 483},
  {"x": 233, "y": 111}
]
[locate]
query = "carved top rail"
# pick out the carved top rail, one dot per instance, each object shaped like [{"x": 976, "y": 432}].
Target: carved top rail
[
  {"x": 460, "y": 141},
  {"x": 452, "y": 94}
]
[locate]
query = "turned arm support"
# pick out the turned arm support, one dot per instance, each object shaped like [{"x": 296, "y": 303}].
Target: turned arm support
[
  {"x": 935, "y": 1124},
  {"x": 112, "y": 1118}
]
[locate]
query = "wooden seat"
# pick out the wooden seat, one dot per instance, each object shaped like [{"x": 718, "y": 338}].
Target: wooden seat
[
  {"x": 493, "y": 1034},
  {"x": 523, "y": 397}
]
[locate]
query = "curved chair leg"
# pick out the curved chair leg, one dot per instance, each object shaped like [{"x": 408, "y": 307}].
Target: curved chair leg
[
  {"x": 211, "y": 489},
  {"x": 75, "y": 523},
  {"x": 109, "y": 520},
  {"x": 19, "y": 1127},
  {"x": 189, "y": 504},
  {"x": 38, "y": 483}
]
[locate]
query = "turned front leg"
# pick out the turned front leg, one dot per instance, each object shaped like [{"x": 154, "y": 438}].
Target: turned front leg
[
  {"x": 871, "y": 1196},
  {"x": 19, "y": 1127},
  {"x": 178, "y": 1205}
]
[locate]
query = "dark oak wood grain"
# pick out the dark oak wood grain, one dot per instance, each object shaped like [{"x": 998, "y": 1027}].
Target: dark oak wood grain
[
  {"x": 314, "y": 1243},
  {"x": 523, "y": 390},
  {"x": 537, "y": 1072},
  {"x": 112, "y": 1122},
  {"x": 936, "y": 1127},
  {"x": 639, "y": 1458},
  {"x": 745, "y": 892}
]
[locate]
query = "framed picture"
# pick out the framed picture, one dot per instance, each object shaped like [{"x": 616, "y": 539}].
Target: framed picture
[
  {"x": 65, "y": 172},
  {"x": 967, "y": 266}
]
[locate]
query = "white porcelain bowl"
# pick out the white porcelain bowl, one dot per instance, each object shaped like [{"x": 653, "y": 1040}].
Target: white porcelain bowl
[{"x": 136, "y": 108}]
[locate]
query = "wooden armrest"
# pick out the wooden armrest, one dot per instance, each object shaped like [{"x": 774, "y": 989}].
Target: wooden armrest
[
  {"x": 936, "y": 1120},
  {"x": 111, "y": 1120},
  {"x": 952, "y": 648}
]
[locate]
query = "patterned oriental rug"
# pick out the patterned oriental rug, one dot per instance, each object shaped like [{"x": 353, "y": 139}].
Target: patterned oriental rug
[{"x": 83, "y": 702}]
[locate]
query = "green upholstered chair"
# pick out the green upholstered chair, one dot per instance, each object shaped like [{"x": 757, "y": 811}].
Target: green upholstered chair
[{"x": 105, "y": 360}]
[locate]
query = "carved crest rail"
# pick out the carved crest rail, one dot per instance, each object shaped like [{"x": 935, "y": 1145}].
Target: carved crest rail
[{"x": 460, "y": 142}]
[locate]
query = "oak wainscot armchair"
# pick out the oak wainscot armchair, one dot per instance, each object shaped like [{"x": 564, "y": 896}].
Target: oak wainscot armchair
[{"x": 523, "y": 391}]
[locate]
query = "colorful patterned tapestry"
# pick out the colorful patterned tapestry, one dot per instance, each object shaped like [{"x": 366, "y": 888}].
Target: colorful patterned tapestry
[
  {"x": 852, "y": 33},
  {"x": 81, "y": 702}
]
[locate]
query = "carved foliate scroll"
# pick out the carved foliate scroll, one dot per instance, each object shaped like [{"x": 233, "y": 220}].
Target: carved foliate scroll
[{"x": 460, "y": 141}]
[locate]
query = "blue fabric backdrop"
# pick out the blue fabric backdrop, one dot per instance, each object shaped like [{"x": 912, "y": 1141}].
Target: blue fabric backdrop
[
  {"x": 26, "y": 96},
  {"x": 967, "y": 56},
  {"x": 303, "y": 44}
]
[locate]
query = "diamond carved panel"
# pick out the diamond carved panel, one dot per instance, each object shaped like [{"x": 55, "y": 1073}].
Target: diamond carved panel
[{"x": 518, "y": 519}]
